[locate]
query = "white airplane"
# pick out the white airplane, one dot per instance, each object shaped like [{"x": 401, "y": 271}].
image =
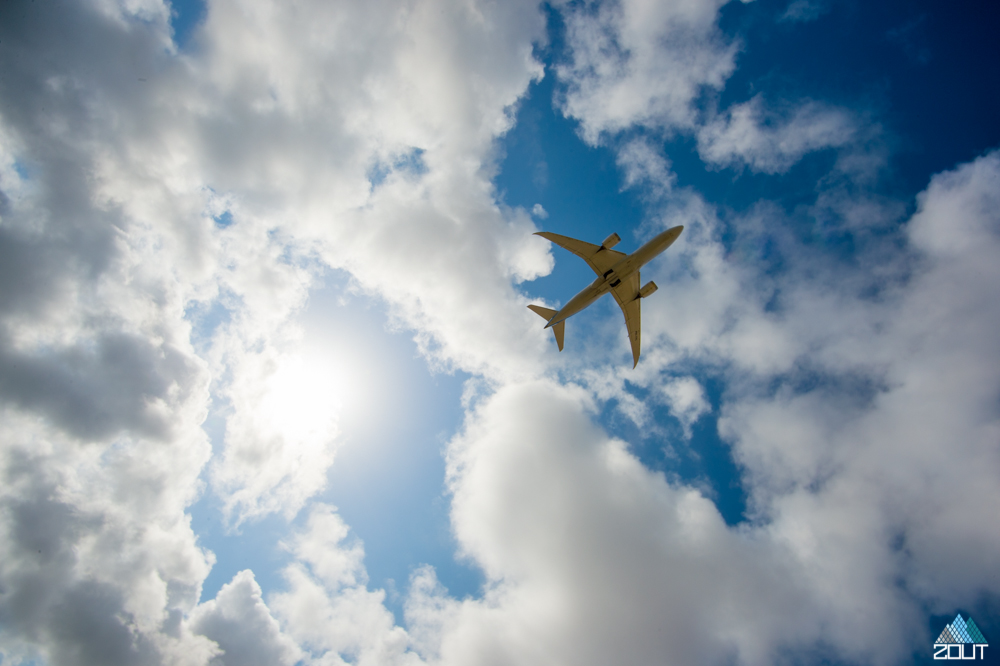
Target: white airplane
[{"x": 617, "y": 272}]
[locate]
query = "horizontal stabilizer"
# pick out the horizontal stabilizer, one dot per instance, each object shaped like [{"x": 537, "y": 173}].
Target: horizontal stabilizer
[
  {"x": 559, "y": 330},
  {"x": 544, "y": 313}
]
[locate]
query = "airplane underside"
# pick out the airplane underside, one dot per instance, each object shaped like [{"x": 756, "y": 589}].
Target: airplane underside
[{"x": 616, "y": 272}]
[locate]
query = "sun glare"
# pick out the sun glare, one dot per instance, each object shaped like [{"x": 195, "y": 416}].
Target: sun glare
[
  {"x": 303, "y": 400},
  {"x": 309, "y": 392}
]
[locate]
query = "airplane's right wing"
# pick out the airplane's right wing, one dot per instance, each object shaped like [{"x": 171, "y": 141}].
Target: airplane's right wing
[
  {"x": 598, "y": 258},
  {"x": 627, "y": 295}
]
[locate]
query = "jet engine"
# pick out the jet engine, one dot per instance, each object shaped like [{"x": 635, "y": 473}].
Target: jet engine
[
  {"x": 648, "y": 289},
  {"x": 611, "y": 241}
]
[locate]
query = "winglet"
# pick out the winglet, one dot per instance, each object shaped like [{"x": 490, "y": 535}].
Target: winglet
[{"x": 559, "y": 330}]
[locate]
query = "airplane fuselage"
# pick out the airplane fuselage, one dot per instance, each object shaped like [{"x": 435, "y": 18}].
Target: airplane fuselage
[{"x": 620, "y": 271}]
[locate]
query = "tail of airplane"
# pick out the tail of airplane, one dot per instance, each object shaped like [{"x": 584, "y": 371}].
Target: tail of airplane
[{"x": 559, "y": 329}]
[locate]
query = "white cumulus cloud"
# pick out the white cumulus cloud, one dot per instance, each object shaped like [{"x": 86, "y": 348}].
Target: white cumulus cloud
[
  {"x": 640, "y": 62},
  {"x": 769, "y": 142}
]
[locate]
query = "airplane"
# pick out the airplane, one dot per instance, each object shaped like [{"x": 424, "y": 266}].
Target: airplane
[{"x": 617, "y": 272}]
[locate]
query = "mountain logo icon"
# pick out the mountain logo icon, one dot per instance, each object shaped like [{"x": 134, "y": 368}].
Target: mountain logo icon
[{"x": 952, "y": 641}]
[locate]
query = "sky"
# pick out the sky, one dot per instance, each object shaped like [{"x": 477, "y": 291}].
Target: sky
[{"x": 270, "y": 392}]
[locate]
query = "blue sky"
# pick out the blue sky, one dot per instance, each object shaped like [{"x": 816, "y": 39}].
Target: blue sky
[{"x": 270, "y": 392}]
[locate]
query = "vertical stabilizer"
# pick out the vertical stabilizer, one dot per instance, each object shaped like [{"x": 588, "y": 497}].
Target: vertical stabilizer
[{"x": 560, "y": 331}]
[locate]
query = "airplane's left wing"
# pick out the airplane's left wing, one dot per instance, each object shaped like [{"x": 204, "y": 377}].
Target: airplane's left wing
[
  {"x": 599, "y": 259},
  {"x": 627, "y": 295}
]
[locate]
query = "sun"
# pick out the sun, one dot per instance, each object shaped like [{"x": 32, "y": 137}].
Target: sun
[
  {"x": 305, "y": 396},
  {"x": 324, "y": 380}
]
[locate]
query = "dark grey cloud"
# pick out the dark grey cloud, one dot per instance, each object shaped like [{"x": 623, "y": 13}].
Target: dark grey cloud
[
  {"x": 93, "y": 569},
  {"x": 31, "y": 273},
  {"x": 89, "y": 627},
  {"x": 67, "y": 76},
  {"x": 97, "y": 388},
  {"x": 74, "y": 621},
  {"x": 94, "y": 548}
]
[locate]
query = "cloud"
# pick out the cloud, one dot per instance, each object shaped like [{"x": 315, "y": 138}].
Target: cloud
[
  {"x": 856, "y": 400},
  {"x": 327, "y": 607},
  {"x": 280, "y": 438},
  {"x": 687, "y": 401},
  {"x": 239, "y": 622},
  {"x": 645, "y": 168},
  {"x": 625, "y": 574},
  {"x": 769, "y": 142},
  {"x": 854, "y": 430},
  {"x": 102, "y": 393},
  {"x": 99, "y": 563},
  {"x": 804, "y": 11},
  {"x": 638, "y": 64},
  {"x": 644, "y": 63},
  {"x": 127, "y": 309},
  {"x": 99, "y": 386}
]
